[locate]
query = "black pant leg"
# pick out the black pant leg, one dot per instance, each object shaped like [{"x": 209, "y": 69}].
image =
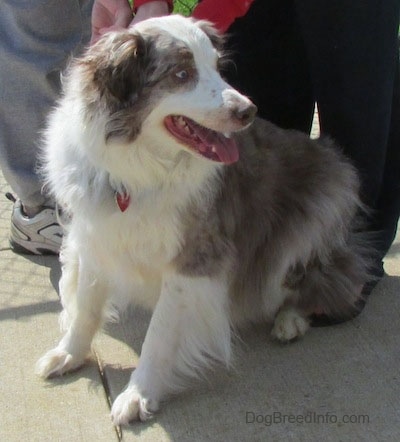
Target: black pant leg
[
  {"x": 345, "y": 54},
  {"x": 270, "y": 64},
  {"x": 387, "y": 209},
  {"x": 352, "y": 48},
  {"x": 354, "y": 59}
]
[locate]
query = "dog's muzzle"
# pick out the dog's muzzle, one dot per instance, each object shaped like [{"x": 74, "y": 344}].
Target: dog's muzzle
[{"x": 243, "y": 111}]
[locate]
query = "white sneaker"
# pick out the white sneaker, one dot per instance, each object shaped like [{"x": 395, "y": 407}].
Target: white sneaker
[{"x": 38, "y": 235}]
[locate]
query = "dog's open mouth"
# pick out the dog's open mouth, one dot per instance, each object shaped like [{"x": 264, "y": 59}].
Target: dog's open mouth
[{"x": 210, "y": 144}]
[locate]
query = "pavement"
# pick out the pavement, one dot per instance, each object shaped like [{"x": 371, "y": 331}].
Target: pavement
[{"x": 338, "y": 383}]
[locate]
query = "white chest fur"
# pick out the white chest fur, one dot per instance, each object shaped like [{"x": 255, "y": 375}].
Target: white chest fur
[{"x": 149, "y": 233}]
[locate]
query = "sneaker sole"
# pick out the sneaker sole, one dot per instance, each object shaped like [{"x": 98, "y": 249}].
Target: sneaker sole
[{"x": 38, "y": 249}]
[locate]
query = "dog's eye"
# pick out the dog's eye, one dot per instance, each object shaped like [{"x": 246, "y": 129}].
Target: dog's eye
[{"x": 182, "y": 75}]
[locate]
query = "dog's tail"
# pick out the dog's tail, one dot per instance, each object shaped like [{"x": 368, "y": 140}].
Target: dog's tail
[{"x": 337, "y": 284}]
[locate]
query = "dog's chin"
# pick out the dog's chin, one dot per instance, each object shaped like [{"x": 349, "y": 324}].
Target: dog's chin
[{"x": 212, "y": 145}]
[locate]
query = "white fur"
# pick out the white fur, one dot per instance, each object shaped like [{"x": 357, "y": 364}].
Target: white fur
[
  {"x": 113, "y": 257},
  {"x": 107, "y": 253},
  {"x": 289, "y": 324},
  {"x": 176, "y": 349}
]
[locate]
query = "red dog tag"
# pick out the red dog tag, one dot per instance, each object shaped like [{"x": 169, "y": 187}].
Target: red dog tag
[{"x": 123, "y": 200}]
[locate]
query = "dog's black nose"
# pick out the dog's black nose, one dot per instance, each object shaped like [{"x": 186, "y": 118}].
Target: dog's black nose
[{"x": 245, "y": 114}]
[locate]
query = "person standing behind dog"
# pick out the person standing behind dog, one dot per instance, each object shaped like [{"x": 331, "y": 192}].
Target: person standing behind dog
[
  {"x": 290, "y": 54},
  {"x": 343, "y": 55},
  {"x": 37, "y": 38}
]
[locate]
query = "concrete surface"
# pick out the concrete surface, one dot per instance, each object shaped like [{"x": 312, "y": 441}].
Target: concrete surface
[{"x": 305, "y": 391}]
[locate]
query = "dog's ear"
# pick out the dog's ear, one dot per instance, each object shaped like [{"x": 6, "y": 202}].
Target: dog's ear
[
  {"x": 216, "y": 38},
  {"x": 218, "y": 41},
  {"x": 120, "y": 67}
]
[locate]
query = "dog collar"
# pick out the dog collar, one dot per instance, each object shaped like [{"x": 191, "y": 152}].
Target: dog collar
[{"x": 122, "y": 199}]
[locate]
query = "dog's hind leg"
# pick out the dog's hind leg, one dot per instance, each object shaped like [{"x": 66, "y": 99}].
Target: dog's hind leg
[
  {"x": 289, "y": 324},
  {"x": 290, "y": 321},
  {"x": 84, "y": 296},
  {"x": 333, "y": 286},
  {"x": 189, "y": 329}
]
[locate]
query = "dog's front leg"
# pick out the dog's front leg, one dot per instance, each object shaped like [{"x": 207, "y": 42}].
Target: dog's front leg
[
  {"x": 84, "y": 294},
  {"x": 189, "y": 328}
]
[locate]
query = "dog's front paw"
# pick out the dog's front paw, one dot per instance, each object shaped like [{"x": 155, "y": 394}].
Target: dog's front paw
[
  {"x": 289, "y": 325},
  {"x": 130, "y": 405},
  {"x": 57, "y": 362}
]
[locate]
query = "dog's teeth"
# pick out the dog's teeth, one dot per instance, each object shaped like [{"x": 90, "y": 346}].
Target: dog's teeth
[
  {"x": 227, "y": 135},
  {"x": 180, "y": 121},
  {"x": 214, "y": 150}
]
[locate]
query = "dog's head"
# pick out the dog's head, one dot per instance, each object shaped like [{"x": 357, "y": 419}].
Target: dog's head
[{"x": 161, "y": 81}]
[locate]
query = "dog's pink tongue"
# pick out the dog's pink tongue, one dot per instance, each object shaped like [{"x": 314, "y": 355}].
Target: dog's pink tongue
[
  {"x": 227, "y": 150},
  {"x": 215, "y": 143}
]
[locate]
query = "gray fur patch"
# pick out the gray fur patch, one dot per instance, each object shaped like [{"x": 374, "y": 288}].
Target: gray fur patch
[
  {"x": 282, "y": 220},
  {"x": 127, "y": 73}
]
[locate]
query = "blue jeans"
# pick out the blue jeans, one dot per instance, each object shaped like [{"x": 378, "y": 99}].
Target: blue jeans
[{"x": 37, "y": 37}]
